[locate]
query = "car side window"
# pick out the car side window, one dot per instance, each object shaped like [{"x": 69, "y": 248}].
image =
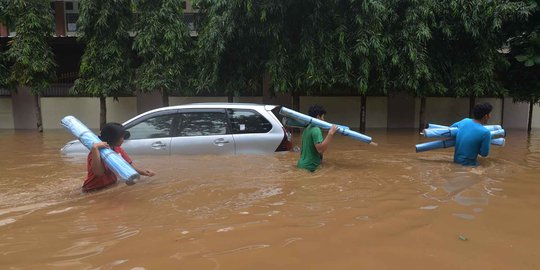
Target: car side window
[
  {"x": 248, "y": 121},
  {"x": 153, "y": 127},
  {"x": 202, "y": 124}
]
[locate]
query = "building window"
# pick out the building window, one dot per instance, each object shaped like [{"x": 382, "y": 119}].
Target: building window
[
  {"x": 189, "y": 20},
  {"x": 71, "y": 22},
  {"x": 69, "y": 5},
  {"x": 72, "y": 15}
]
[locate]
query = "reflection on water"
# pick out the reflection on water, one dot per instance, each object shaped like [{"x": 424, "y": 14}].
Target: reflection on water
[{"x": 365, "y": 205}]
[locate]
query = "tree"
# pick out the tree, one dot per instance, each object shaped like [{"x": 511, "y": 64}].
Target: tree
[
  {"x": 473, "y": 31},
  {"x": 233, "y": 45},
  {"x": 32, "y": 57},
  {"x": 5, "y": 19},
  {"x": 105, "y": 69},
  {"x": 522, "y": 77},
  {"x": 4, "y": 68},
  {"x": 453, "y": 48},
  {"x": 163, "y": 43}
]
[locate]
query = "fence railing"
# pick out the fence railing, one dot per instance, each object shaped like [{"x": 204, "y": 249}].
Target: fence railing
[{"x": 5, "y": 93}]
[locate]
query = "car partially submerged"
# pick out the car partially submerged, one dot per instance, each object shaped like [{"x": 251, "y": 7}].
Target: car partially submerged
[{"x": 202, "y": 128}]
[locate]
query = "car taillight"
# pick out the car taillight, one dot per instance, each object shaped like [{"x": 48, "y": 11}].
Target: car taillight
[{"x": 285, "y": 144}]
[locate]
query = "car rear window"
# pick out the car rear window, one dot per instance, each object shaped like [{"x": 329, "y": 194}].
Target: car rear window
[
  {"x": 248, "y": 121},
  {"x": 202, "y": 124}
]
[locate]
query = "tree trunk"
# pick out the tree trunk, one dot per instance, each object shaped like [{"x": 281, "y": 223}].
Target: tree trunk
[
  {"x": 39, "y": 121},
  {"x": 164, "y": 97},
  {"x": 363, "y": 102},
  {"x": 296, "y": 101},
  {"x": 230, "y": 97},
  {"x": 422, "y": 119},
  {"x": 472, "y": 101},
  {"x": 502, "y": 112},
  {"x": 102, "y": 112},
  {"x": 267, "y": 97},
  {"x": 531, "y": 108}
]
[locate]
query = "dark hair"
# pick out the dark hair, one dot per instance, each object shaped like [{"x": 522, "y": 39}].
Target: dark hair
[
  {"x": 112, "y": 132},
  {"x": 316, "y": 110},
  {"x": 480, "y": 110}
]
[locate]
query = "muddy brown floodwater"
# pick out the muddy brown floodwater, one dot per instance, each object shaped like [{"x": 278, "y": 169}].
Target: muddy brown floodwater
[{"x": 382, "y": 207}]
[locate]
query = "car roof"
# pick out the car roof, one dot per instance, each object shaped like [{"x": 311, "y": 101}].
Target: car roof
[
  {"x": 206, "y": 105},
  {"x": 212, "y": 105}
]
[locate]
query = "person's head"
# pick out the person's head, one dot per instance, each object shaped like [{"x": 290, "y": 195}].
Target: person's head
[
  {"x": 317, "y": 111},
  {"x": 482, "y": 112},
  {"x": 114, "y": 134}
]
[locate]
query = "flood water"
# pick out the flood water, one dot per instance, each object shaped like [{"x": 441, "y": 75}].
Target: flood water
[{"x": 383, "y": 207}]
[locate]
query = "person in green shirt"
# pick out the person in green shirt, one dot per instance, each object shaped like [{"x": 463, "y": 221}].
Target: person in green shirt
[{"x": 313, "y": 144}]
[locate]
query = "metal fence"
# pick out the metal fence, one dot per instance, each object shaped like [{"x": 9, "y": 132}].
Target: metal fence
[{"x": 5, "y": 93}]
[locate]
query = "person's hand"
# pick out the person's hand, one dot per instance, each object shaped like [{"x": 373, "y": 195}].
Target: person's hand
[
  {"x": 100, "y": 145},
  {"x": 148, "y": 173},
  {"x": 332, "y": 130}
]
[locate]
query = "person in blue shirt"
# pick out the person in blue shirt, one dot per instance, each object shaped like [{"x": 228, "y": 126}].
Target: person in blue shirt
[{"x": 473, "y": 138}]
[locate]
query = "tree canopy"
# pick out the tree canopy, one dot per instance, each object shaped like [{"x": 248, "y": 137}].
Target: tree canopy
[
  {"x": 29, "y": 51},
  {"x": 105, "y": 69},
  {"x": 421, "y": 46},
  {"x": 164, "y": 45}
]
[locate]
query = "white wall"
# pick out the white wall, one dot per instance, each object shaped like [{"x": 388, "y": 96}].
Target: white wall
[
  {"x": 376, "y": 112},
  {"x": 497, "y": 109},
  {"x": 516, "y": 115},
  {"x": 346, "y": 110},
  {"x": 447, "y": 110},
  {"x": 6, "y": 113},
  {"x": 53, "y": 109},
  {"x": 342, "y": 110},
  {"x": 86, "y": 109},
  {"x": 536, "y": 116},
  {"x": 122, "y": 110}
]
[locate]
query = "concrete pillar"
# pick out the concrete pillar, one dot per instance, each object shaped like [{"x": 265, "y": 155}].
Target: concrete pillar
[
  {"x": 60, "y": 19},
  {"x": 4, "y": 32},
  {"x": 24, "y": 109},
  {"x": 148, "y": 101},
  {"x": 401, "y": 110},
  {"x": 516, "y": 115}
]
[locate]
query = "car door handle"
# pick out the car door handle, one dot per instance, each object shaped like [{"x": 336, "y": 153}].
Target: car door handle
[
  {"x": 220, "y": 141},
  {"x": 159, "y": 145}
]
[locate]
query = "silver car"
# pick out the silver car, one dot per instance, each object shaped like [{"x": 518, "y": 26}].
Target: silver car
[{"x": 203, "y": 128}]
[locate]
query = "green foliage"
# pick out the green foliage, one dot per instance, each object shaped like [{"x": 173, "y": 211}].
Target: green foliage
[
  {"x": 233, "y": 45},
  {"x": 163, "y": 43},
  {"x": 106, "y": 63},
  {"x": 526, "y": 43},
  {"x": 4, "y": 69},
  {"x": 523, "y": 73},
  {"x": 32, "y": 57},
  {"x": 8, "y": 11},
  {"x": 421, "y": 46}
]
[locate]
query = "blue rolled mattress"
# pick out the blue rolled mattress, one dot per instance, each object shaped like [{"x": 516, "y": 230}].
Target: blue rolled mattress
[
  {"x": 307, "y": 120},
  {"x": 113, "y": 160}
]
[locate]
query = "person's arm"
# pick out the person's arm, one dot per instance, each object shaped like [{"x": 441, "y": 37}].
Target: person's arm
[
  {"x": 486, "y": 142},
  {"x": 144, "y": 172},
  {"x": 456, "y": 124},
  {"x": 323, "y": 146},
  {"x": 97, "y": 165},
  {"x": 139, "y": 170}
]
